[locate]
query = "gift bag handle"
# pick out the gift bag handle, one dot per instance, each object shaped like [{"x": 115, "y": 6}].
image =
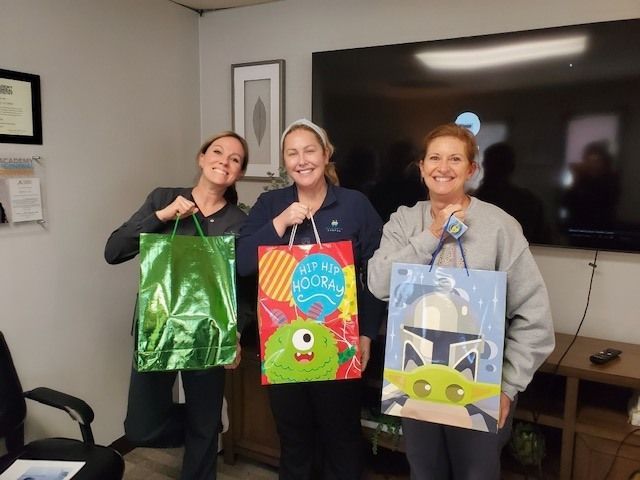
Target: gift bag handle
[
  {"x": 195, "y": 220},
  {"x": 295, "y": 229},
  {"x": 441, "y": 244}
]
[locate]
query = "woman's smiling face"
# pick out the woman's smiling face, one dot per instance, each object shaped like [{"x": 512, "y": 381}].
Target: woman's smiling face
[
  {"x": 446, "y": 167},
  {"x": 222, "y": 162},
  {"x": 304, "y": 157}
]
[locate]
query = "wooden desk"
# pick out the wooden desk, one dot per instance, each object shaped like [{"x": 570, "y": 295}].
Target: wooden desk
[{"x": 583, "y": 410}]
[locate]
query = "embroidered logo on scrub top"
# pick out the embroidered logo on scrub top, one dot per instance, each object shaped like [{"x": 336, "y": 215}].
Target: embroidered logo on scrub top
[{"x": 334, "y": 226}]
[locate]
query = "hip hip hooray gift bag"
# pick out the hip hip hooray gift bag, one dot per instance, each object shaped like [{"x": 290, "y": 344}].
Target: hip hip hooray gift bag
[{"x": 307, "y": 312}]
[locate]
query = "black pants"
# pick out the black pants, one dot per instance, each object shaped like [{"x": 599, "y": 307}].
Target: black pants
[
  {"x": 153, "y": 420},
  {"x": 319, "y": 420},
  {"x": 442, "y": 452}
]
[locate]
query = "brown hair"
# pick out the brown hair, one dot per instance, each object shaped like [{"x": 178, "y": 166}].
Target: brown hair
[{"x": 456, "y": 131}]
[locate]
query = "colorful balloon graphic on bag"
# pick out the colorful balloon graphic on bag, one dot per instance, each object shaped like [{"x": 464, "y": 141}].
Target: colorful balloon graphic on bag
[
  {"x": 318, "y": 285},
  {"x": 277, "y": 284},
  {"x": 349, "y": 305}
]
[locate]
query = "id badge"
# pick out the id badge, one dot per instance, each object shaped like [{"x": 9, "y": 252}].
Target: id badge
[{"x": 455, "y": 227}]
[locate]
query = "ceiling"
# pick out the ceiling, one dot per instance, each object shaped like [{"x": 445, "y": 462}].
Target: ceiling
[{"x": 207, "y": 5}]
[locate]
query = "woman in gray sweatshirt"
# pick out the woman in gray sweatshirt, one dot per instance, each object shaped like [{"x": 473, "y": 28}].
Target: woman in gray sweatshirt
[{"x": 493, "y": 241}]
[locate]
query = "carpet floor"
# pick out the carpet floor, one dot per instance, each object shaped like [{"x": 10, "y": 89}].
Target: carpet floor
[{"x": 164, "y": 464}]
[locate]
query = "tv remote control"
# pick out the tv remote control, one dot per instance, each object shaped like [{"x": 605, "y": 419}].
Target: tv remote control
[{"x": 605, "y": 356}]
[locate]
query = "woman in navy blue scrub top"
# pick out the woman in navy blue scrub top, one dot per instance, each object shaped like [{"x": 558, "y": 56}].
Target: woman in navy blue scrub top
[{"x": 317, "y": 417}]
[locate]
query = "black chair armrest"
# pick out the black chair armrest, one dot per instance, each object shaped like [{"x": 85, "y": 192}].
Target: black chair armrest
[{"x": 77, "y": 409}]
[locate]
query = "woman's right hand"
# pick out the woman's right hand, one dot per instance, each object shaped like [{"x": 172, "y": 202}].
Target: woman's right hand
[
  {"x": 442, "y": 217},
  {"x": 179, "y": 207},
  {"x": 294, "y": 214}
]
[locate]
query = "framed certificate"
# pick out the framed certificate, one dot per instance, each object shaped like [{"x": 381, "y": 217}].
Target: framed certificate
[{"x": 20, "y": 114}]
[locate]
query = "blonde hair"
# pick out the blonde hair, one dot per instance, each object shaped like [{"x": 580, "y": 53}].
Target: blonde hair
[
  {"x": 319, "y": 132},
  {"x": 331, "y": 173}
]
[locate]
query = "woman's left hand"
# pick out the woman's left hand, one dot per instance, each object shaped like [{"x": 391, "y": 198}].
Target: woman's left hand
[
  {"x": 365, "y": 351},
  {"x": 505, "y": 406},
  {"x": 236, "y": 361}
]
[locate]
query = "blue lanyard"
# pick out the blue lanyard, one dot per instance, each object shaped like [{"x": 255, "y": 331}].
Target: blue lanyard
[{"x": 441, "y": 244}]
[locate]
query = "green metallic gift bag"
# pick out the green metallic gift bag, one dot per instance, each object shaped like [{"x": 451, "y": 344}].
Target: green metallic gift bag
[{"x": 187, "y": 302}]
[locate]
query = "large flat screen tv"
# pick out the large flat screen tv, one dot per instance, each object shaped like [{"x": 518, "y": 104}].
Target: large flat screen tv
[{"x": 560, "y": 124}]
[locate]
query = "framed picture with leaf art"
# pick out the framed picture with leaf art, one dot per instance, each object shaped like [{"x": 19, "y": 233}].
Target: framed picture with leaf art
[{"x": 258, "y": 112}]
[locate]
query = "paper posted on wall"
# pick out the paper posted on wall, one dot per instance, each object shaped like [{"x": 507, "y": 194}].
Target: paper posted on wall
[
  {"x": 41, "y": 470},
  {"x": 24, "y": 199}
]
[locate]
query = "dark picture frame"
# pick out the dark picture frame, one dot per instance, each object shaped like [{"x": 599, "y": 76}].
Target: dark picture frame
[
  {"x": 20, "y": 108},
  {"x": 257, "y": 108}
]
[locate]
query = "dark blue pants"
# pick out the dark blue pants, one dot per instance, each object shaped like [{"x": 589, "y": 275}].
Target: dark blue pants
[
  {"x": 441, "y": 452},
  {"x": 319, "y": 428},
  {"x": 154, "y": 420}
]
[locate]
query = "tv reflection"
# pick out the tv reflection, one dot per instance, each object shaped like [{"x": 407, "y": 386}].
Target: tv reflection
[
  {"x": 399, "y": 182},
  {"x": 591, "y": 199},
  {"x": 498, "y": 188}
]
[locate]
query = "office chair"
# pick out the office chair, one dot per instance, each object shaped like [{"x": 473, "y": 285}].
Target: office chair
[{"x": 101, "y": 463}]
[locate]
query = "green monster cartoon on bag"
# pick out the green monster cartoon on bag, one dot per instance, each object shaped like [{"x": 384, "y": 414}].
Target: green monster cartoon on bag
[{"x": 303, "y": 350}]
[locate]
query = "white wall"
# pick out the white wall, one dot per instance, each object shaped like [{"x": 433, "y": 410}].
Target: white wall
[
  {"x": 293, "y": 29},
  {"x": 120, "y": 106}
]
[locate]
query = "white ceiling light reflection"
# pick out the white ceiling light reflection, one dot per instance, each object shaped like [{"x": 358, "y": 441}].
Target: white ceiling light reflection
[{"x": 486, "y": 57}]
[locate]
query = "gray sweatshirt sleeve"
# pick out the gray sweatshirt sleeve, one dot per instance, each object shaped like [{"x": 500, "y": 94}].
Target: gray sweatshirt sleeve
[
  {"x": 406, "y": 239},
  {"x": 529, "y": 337}
]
